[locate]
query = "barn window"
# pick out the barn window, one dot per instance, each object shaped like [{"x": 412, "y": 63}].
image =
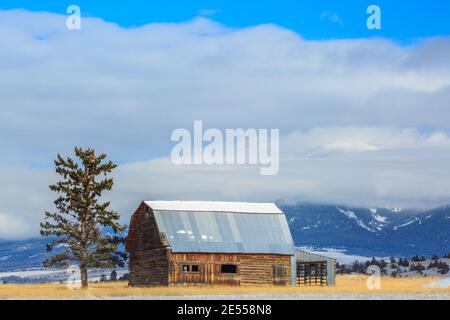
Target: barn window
[
  {"x": 228, "y": 268},
  {"x": 279, "y": 271},
  {"x": 194, "y": 268},
  {"x": 186, "y": 268}
]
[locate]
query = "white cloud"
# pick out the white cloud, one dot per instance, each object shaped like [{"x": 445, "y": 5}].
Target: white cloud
[
  {"x": 14, "y": 227},
  {"x": 402, "y": 169},
  {"x": 363, "y": 121},
  {"x": 333, "y": 17},
  {"x": 397, "y": 171},
  {"x": 208, "y": 12}
]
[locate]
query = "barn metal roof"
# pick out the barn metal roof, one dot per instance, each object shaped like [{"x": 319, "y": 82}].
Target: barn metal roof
[
  {"x": 312, "y": 257},
  {"x": 225, "y": 231}
]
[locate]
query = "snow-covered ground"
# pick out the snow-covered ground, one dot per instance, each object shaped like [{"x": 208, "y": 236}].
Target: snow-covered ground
[
  {"x": 51, "y": 275},
  {"x": 439, "y": 284},
  {"x": 32, "y": 273}
]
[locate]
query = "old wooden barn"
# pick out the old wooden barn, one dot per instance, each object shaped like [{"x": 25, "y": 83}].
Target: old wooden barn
[{"x": 210, "y": 243}]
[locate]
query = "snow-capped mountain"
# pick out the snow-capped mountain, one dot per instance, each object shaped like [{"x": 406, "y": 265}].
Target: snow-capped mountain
[
  {"x": 359, "y": 231},
  {"x": 21, "y": 262},
  {"x": 20, "y": 255},
  {"x": 371, "y": 231}
]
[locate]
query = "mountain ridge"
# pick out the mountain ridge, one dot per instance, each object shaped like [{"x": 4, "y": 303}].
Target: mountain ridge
[
  {"x": 354, "y": 230},
  {"x": 370, "y": 231}
]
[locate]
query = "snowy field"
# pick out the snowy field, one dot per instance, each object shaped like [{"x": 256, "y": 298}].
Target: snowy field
[
  {"x": 439, "y": 284},
  {"x": 51, "y": 275}
]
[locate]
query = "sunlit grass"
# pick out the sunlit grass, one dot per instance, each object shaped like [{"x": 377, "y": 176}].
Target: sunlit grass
[{"x": 344, "y": 285}]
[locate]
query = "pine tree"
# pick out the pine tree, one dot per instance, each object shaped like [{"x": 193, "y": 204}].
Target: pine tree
[
  {"x": 113, "y": 276},
  {"x": 81, "y": 217},
  {"x": 444, "y": 268},
  {"x": 125, "y": 277}
]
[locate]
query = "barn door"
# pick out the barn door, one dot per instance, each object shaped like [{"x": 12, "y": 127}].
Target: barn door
[
  {"x": 278, "y": 274},
  {"x": 312, "y": 273}
]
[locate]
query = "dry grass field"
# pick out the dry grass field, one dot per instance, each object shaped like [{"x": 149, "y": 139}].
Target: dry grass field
[{"x": 347, "y": 286}]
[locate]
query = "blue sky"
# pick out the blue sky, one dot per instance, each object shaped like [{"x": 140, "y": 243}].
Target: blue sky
[{"x": 403, "y": 20}]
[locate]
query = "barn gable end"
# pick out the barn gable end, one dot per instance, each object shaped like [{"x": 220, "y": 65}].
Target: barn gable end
[{"x": 149, "y": 252}]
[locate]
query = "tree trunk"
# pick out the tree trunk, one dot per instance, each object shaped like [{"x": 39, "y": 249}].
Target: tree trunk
[
  {"x": 83, "y": 269},
  {"x": 84, "y": 277}
]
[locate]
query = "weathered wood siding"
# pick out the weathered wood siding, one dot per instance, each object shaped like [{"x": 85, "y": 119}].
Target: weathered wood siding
[
  {"x": 149, "y": 251},
  {"x": 261, "y": 269},
  {"x": 252, "y": 269}
]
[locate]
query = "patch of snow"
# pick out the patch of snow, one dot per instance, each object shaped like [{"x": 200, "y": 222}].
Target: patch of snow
[
  {"x": 406, "y": 223},
  {"x": 348, "y": 213},
  {"x": 24, "y": 247},
  {"x": 56, "y": 275},
  {"x": 439, "y": 284},
  {"x": 352, "y": 215},
  {"x": 373, "y": 210},
  {"x": 351, "y": 146},
  {"x": 31, "y": 273},
  {"x": 379, "y": 218},
  {"x": 396, "y": 210}
]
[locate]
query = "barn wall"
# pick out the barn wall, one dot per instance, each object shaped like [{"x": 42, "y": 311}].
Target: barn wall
[
  {"x": 259, "y": 269},
  {"x": 149, "y": 251},
  {"x": 251, "y": 269}
]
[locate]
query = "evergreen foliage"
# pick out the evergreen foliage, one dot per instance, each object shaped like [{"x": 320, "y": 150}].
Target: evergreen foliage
[{"x": 81, "y": 217}]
